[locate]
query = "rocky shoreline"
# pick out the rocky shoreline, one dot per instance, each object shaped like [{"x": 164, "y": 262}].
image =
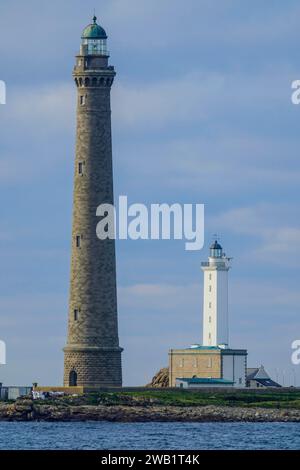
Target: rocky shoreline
[{"x": 30, "y": 411}]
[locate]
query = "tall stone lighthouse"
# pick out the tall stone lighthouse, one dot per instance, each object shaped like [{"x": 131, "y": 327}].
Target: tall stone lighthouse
[{"x": 92, "y": 352}]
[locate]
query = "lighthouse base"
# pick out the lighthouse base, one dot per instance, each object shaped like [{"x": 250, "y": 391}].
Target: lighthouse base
[{"x": 92, "y": 367}]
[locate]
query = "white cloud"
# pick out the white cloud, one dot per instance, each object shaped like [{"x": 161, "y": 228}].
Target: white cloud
[
  {"x": 264, "y": 298},
  {"x": 156, "y": 105},
  {"x": 188, "y": 99},
  {"x": 159, "y": 296},
  {"x": 42, "y": 111},
  {"x": 27, "y": 312},
  {"x": 37, "y": 124},
  {"x": 273, "y": 227},
  {"x": 157, "y": 24}
]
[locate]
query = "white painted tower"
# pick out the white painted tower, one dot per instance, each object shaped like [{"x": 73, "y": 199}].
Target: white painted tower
[{"x": 215, "y": 298}]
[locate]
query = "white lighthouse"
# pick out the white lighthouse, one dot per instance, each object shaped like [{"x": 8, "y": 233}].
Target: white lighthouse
[
  {"x": 215, "y": 298},
  {"x": 212, "y": 363}
]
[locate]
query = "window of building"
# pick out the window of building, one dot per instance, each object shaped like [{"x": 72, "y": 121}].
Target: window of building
[
  {"x": 210, "y": 277},
  {"x": 181, "y": 362},
  {"x": 80, "y": 168},
  {"x": 209, "y": 304},
  {"x": 209, "y": 319},
  {"x": 240, "y": 380},
  {"x": 78, "y": 241},
  {"x": 76, "y": 314},
  {"x": 82, "y": 100},
  {"x": 209, "y": 288},
  {"x": 73, "y": 379},
  {"x": 209, "y": 363},
  {"x": 209, "y": 335},
  {"x": 195, "y": 362}
]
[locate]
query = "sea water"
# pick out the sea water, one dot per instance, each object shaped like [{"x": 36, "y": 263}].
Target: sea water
[{"x": 134, "y": 436}]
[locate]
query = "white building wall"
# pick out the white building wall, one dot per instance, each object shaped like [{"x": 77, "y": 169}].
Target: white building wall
[
  {"x": 182, "y": 384},
  {"x": 222, "y": 307},
  {"x": 215, "y": 306},
  {"x": 234, "y": 368},
  {"x": 210, "y": 308}
]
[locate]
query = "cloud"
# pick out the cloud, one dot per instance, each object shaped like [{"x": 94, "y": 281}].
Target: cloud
[
  {"x": 164, "y": 102},
  {"x": 37, "y": 127},
  {"x": 266, "y": 298},
  {"x": 34, "y": 330},
  {"x": 25, "y": 312},
  {"x": 158, "y": 296},
  {"x": 43, "y": 111},
  {"x": 204, "y": 131},
  {"x": 273, "y": 227},
  {"x": 144, "y": 25},
  {"x": 205, "y": 168},
  {"x": 200, "y": 95}
]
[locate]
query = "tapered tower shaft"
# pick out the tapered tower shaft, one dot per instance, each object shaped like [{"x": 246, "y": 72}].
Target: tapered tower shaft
[{"x": 92, "y": 353}]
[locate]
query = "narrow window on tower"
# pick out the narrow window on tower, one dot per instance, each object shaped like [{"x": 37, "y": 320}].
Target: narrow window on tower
[
  {"x": 209, "y": 305},
  {"x": 78, "y": 241},
  {"x": 209, "y": 335},
  {"x": 82, "y": 100},
  {"x": 210, "y": 277},
  {"x": 80, "y": 168},
  {"x": 209, "y": 319},
  {"x": 209, "y": 288},
  {"x": 76, "y": 314}
]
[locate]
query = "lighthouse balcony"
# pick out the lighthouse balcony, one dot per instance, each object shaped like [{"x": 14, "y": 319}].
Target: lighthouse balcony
[{"x": 221, "y": 263}]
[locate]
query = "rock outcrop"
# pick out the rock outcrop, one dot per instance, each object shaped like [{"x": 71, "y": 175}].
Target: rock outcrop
[
  {"x": 161, "y": 379},
  {"x": 28, "y": 410}
]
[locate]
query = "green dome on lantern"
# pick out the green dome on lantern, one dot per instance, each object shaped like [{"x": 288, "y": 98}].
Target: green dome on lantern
[{"x": 94, "y": 31}]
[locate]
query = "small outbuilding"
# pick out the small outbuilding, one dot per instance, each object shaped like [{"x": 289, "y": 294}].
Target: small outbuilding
[
  {"x": 258, "y": 378},
  {"x": 12, "y": 393}
]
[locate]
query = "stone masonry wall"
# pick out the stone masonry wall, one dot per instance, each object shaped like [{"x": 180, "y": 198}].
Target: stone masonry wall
[{"x": 189, "y": 363}]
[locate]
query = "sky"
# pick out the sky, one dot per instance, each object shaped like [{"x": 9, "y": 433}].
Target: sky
[{"x": 201, "y": 113}]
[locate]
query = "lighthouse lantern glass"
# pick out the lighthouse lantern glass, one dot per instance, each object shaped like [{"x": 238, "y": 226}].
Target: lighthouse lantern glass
[
  {"x": 95, "y": 46},
  {"x": 216, "y": 252}
]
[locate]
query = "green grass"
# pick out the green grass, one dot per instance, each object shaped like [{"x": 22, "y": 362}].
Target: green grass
[
  {"x": 249, "y": 398},
  {"x": 284, "y": 399}
]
